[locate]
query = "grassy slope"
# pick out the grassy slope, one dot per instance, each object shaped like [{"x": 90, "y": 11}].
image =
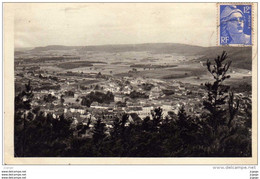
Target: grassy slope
[{"x": 241, "y": 57}]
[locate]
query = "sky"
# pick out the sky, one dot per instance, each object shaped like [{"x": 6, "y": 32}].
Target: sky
[{"x": 82, "y": 24}]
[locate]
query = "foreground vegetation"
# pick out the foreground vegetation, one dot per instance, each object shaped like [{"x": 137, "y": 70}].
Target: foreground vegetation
[{"x": 218, "y": 131}]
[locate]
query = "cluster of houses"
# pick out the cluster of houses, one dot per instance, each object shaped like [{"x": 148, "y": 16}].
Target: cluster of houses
[{"x": 120, "y": 89}]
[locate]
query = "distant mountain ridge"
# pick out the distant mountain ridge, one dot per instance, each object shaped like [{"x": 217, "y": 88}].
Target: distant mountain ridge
[
  {"x": 241, "y": 56},
  {"x": 55, "y": 47},
  {"x": 153, "y": 47}
]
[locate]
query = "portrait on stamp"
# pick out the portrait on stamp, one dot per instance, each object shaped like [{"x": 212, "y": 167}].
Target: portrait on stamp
[{"x": 235, "y": 24}]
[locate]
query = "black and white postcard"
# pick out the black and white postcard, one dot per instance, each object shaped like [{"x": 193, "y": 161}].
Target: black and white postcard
[{"x": 130, "y": 83}]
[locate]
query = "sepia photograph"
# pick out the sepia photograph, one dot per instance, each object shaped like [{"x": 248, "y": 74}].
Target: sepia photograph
[{"x": 137, "y": 81}]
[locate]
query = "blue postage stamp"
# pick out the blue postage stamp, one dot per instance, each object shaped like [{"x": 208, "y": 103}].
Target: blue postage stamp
[{"x": 235, "y": 24}]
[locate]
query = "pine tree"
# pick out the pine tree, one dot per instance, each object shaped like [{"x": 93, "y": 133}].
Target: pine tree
[
  {"x": 22, "y": 104},
  {"x": 217, "y": 91},
  {"x": 115, "y": 132},
  {"x": 23, "y": 100},
  {"x": 224, "y": 137},
  {"x": 183, "y": 118},
  {"x": 232, "y": 108},
  {"x": 157, "y": 118},
  {"x": 99, "y": 132}
]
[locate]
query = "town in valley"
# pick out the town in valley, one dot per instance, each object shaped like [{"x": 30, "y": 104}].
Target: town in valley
[{"x": 107, "y": 81}]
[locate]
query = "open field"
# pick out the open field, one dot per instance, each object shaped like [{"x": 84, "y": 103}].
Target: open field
[
  {"x": 76, "y": 64},
  {"x": 151, "y": 66},
  {"x": 162, "y": 61}
]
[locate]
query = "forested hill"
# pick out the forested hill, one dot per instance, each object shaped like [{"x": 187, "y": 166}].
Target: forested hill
[{"x": 241, "y": 57}]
